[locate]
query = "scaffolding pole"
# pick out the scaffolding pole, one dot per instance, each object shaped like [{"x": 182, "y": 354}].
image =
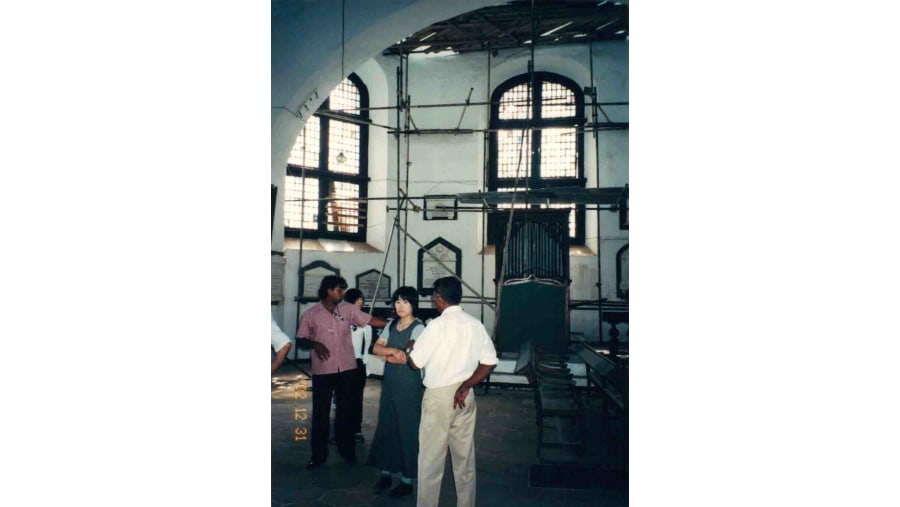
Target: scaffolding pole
[
  {"x": 299, "y": 251},
  {"x": 408, "y": 115},
  {"x": 441, "y": 264},
  {"x": 464, "y": 104},
  {"x": 484, "y": 179},
  {"x": 397, "y": 137},
  {"x": 597, "y": 172},
  {"x": 530, "y": 97},
  {"x": 383, "y": 264}
]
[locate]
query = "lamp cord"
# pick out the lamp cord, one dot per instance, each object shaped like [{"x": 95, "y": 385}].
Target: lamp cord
[{"x": 343, "y": 17}]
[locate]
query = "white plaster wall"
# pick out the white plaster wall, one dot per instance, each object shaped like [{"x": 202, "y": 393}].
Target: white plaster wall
[
  {"x": 306, "y": 58},
  {"x": 453, "y": 164},
  {"x": 376, "y": 82},
  {"x": 307, "y": 51}
]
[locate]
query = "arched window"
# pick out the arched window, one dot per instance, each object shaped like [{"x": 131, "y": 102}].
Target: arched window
[
  {"x": 333, "y": 151},
  {"x": 541, "y": 140},
  {"x": 622, "y": 273}
]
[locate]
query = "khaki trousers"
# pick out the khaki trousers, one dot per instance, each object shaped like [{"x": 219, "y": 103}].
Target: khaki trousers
[{"x": 441, "y": 427}]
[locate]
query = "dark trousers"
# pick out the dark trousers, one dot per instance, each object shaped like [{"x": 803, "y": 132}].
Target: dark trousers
[
  {"x": 339, "y": 385},
  {"x": 356, "y": 402}
]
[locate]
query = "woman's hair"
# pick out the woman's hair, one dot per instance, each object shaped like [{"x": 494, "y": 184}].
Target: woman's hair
[
  {"x": 353, "y": 295},
  {"x": 409, "y": 295}
]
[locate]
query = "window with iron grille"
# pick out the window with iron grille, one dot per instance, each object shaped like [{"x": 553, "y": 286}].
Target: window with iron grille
[
  {"x": 537, "y": 142},
  {"x": 332, "y": 151}
]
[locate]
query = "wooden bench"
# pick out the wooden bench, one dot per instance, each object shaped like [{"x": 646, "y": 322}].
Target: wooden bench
[
  {"x": 559, "y": 413},
  {"x": 611, "y": 379},
  {"x": 610, "y": 376}
]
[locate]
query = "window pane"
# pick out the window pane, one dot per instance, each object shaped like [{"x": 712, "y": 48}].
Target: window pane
[
  {"x": 557, "y": 101},
  {"x": 512, "y": 146},
  {"x": 518, "y": 197},
  {"x": 292, "y": 195},
  {"x": 306, "y": 149},
  {"x": 345, "y": 98},
  {"x": 343, "y": 138},
  {"x": 571, "y": 215},
  {"x": 514, "y": 104},
  {"x": 558, "y": 153},
  {"x": 343, "y": 216}
]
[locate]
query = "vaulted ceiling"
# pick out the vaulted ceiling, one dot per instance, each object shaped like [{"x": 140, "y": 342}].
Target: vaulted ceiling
[{"x": 521, "y": 23}]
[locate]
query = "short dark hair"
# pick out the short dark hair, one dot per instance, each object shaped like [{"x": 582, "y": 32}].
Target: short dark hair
[
  {"x": 330, "y": 282},
  {"x": 353, "y": 295},
  {"x": 407, "y": 294},
  {"x": 449, "y": 289}
]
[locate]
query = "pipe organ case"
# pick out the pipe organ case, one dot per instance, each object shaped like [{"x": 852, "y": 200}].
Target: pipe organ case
[{"x": 534, "y": 303}]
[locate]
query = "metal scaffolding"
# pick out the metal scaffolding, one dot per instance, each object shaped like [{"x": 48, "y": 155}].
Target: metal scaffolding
[{"x": 597, "y": 199}]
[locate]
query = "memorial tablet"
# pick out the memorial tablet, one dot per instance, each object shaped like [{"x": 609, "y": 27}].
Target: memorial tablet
[
  {"x": 430, "y": 269},
  {"x": 367, "y": 281},
  {"x": 440, "y": 208},
  {"x": 278, "y": 262},
  {"x": 622, "y": 273},
  {"x": 311, "y": 279}
]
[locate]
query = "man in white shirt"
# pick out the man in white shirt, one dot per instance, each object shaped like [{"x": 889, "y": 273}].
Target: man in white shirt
[
  {"x": 456, "y": 354},
  {"x": 281, "y": 344},
  {"x": 362, "y": 340}
]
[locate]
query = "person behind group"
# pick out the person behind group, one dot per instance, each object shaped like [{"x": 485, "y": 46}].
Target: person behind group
[
  {"x": 281, "y": 344},
  {"x": 361, "y": 336},
  {"x": 456, "y": 353},
  {"x": 326, "y": 327}
]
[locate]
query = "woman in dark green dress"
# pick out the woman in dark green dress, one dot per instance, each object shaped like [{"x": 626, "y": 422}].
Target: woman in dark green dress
[{"x": 395, "y": 447}]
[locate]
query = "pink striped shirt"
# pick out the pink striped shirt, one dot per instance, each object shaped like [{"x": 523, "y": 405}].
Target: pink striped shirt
[{"x": 332, "y": 329}]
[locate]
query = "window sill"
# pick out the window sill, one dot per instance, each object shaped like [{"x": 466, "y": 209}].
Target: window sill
[
  {"x": 330, "y": 245},
  {"x": 574, "y": 251}
]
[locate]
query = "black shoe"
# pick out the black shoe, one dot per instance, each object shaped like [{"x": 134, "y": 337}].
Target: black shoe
[
  {"x": 400, "y": 490},
  {"x": 313, "y": 464},
  {"x": 383, "y": 483},
  {"x": 360, "y": 439}
]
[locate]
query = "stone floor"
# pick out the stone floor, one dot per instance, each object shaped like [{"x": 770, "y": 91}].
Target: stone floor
[{"x": 505, "y": 443}]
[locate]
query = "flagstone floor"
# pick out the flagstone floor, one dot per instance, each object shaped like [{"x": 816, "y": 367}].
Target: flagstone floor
[{"x": 505, "y": 444}]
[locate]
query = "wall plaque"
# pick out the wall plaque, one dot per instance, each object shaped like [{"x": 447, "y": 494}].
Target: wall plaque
[
  {"x": 430, "y": 270},
  {"x": 278, "y": 262},
  {"x": 440, "y": 208},
  {"x": 311, "y": 279},
  {"x": 367, "y": 281},
  {"x": 622, "y": 273},
  {"x": 623, "y": 209}
]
